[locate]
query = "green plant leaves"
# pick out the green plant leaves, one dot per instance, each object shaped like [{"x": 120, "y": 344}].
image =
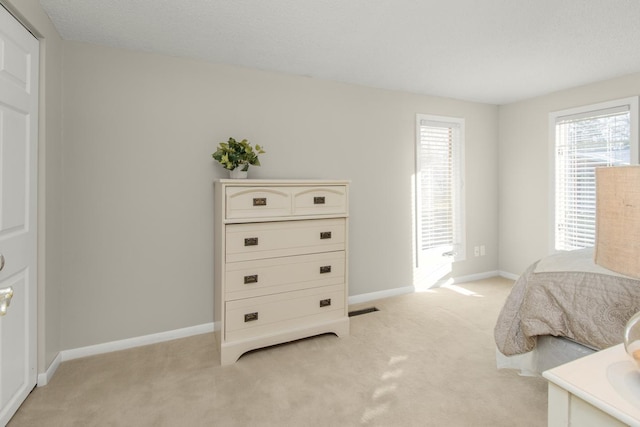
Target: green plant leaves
[{"x": 232, "y": 153}]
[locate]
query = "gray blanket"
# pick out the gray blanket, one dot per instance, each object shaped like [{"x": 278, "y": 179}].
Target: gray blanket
[{"x": 591, "y": 308}]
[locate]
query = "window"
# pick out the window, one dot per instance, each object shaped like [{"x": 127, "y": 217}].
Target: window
[
  {"x": 584, "y": 139},
  {"x": 439, "y": 189}
]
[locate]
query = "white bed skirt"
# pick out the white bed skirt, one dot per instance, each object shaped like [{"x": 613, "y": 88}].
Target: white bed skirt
[{"x": 549, "y": 352}]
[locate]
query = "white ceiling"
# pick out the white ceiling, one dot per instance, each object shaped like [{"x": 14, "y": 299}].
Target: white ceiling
[{"x": 492, "y": 51}]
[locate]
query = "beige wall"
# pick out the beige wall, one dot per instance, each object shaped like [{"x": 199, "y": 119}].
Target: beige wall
[
  {"x": 125, "y": 228},
  {"x": 524, "y": 176},
  {"x": 125, "y": 242},
  {"x": 50, "y": 232},
  {"x": 139, "y": 130}
]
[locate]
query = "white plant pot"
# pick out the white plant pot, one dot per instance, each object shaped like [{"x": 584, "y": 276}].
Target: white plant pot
[{"x": 238, "y": 173}]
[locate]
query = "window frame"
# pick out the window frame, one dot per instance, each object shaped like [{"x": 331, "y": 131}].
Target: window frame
[
  {"x": 634, "y": 142},
  {"x": 429, "y": 257}
]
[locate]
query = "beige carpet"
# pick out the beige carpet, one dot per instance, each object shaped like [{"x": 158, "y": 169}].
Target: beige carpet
[{"x": 424, "y": 359}]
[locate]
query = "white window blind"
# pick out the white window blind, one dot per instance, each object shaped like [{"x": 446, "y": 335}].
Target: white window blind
[
  {"x": 583, "y": 142},
  {"x": 439, "y": 182}
]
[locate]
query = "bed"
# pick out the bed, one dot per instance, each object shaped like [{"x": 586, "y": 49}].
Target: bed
[{"x": 564, "y": 306}]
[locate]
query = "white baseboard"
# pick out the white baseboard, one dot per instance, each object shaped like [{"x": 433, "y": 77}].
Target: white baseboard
[
  {"x": 508, "y": 275},
  {"x": 135, "y": 342},
  {"x": 477, "y": 276},
  {"x": 45, "y": 377},
  {"x": 108, "y": 347},
  {"x": 356, "y": 299},
  {"x": 92, "y": 350}
]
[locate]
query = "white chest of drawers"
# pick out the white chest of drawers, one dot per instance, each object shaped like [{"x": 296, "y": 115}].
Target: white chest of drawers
[{"x": 280, "y": 262}]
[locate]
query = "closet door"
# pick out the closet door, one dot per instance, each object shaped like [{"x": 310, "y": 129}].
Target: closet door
[{"x": 18, "y": 195}]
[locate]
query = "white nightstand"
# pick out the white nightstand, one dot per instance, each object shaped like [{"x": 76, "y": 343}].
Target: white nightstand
[{"x": 602, "y": 389}]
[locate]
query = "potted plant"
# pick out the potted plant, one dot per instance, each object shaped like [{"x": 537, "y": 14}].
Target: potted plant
[{"x": 236, "y": 156}]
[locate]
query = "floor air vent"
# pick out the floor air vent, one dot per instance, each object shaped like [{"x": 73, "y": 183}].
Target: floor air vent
[{"x": 363, "y": 311}]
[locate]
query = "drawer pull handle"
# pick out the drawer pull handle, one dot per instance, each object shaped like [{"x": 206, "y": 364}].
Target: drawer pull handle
[
  {"x": 318, "y": 200},
  {"x": 325, "y": 234},
  {"x": 259, "y": 201},
  {"x": 251, "y": 279},
  {"x": 251, "y": 241},
  {"x": 325, "y": 269},
  {"x": 250, "y": 317},
  {"x": 323, "y": 303}
]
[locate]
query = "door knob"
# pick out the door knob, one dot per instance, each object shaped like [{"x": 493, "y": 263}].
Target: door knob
[{"x": 5, "y": 299}]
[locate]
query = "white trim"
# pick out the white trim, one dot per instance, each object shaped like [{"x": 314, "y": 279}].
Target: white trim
[
  {"x": 372, "y": 296},
  {"x": 125, "y": 344},
  {"x": 508, "y": 275},
  {"x": 462, "y": 279},
  {"x": 477, "y": 276},
  {"x": 92, "y": 350},
  {"x": 551, "y": 183},
  {"x": 45, "y": 377}
]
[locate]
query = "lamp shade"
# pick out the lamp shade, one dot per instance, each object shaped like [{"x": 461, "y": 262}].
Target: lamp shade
[{"x": 618, "y": 219}]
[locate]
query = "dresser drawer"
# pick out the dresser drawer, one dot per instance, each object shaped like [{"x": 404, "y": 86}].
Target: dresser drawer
[
  {"x": 284, "y": 238},
  {"x": 254, "y": 317},
  {"x": 275, "y": 275},
  {"x": 320, "y": 200},
  {"x": 257, "y": 202},
  {"x": 272, "y": 202}
]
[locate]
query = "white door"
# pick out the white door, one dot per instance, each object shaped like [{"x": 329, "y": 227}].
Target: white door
[{"x": 18, "y": 194}]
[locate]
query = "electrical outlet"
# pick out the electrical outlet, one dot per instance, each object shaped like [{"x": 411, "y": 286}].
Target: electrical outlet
[
  {"x": 482, "y": 250},
  {"x": 476, "y": 251}
]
